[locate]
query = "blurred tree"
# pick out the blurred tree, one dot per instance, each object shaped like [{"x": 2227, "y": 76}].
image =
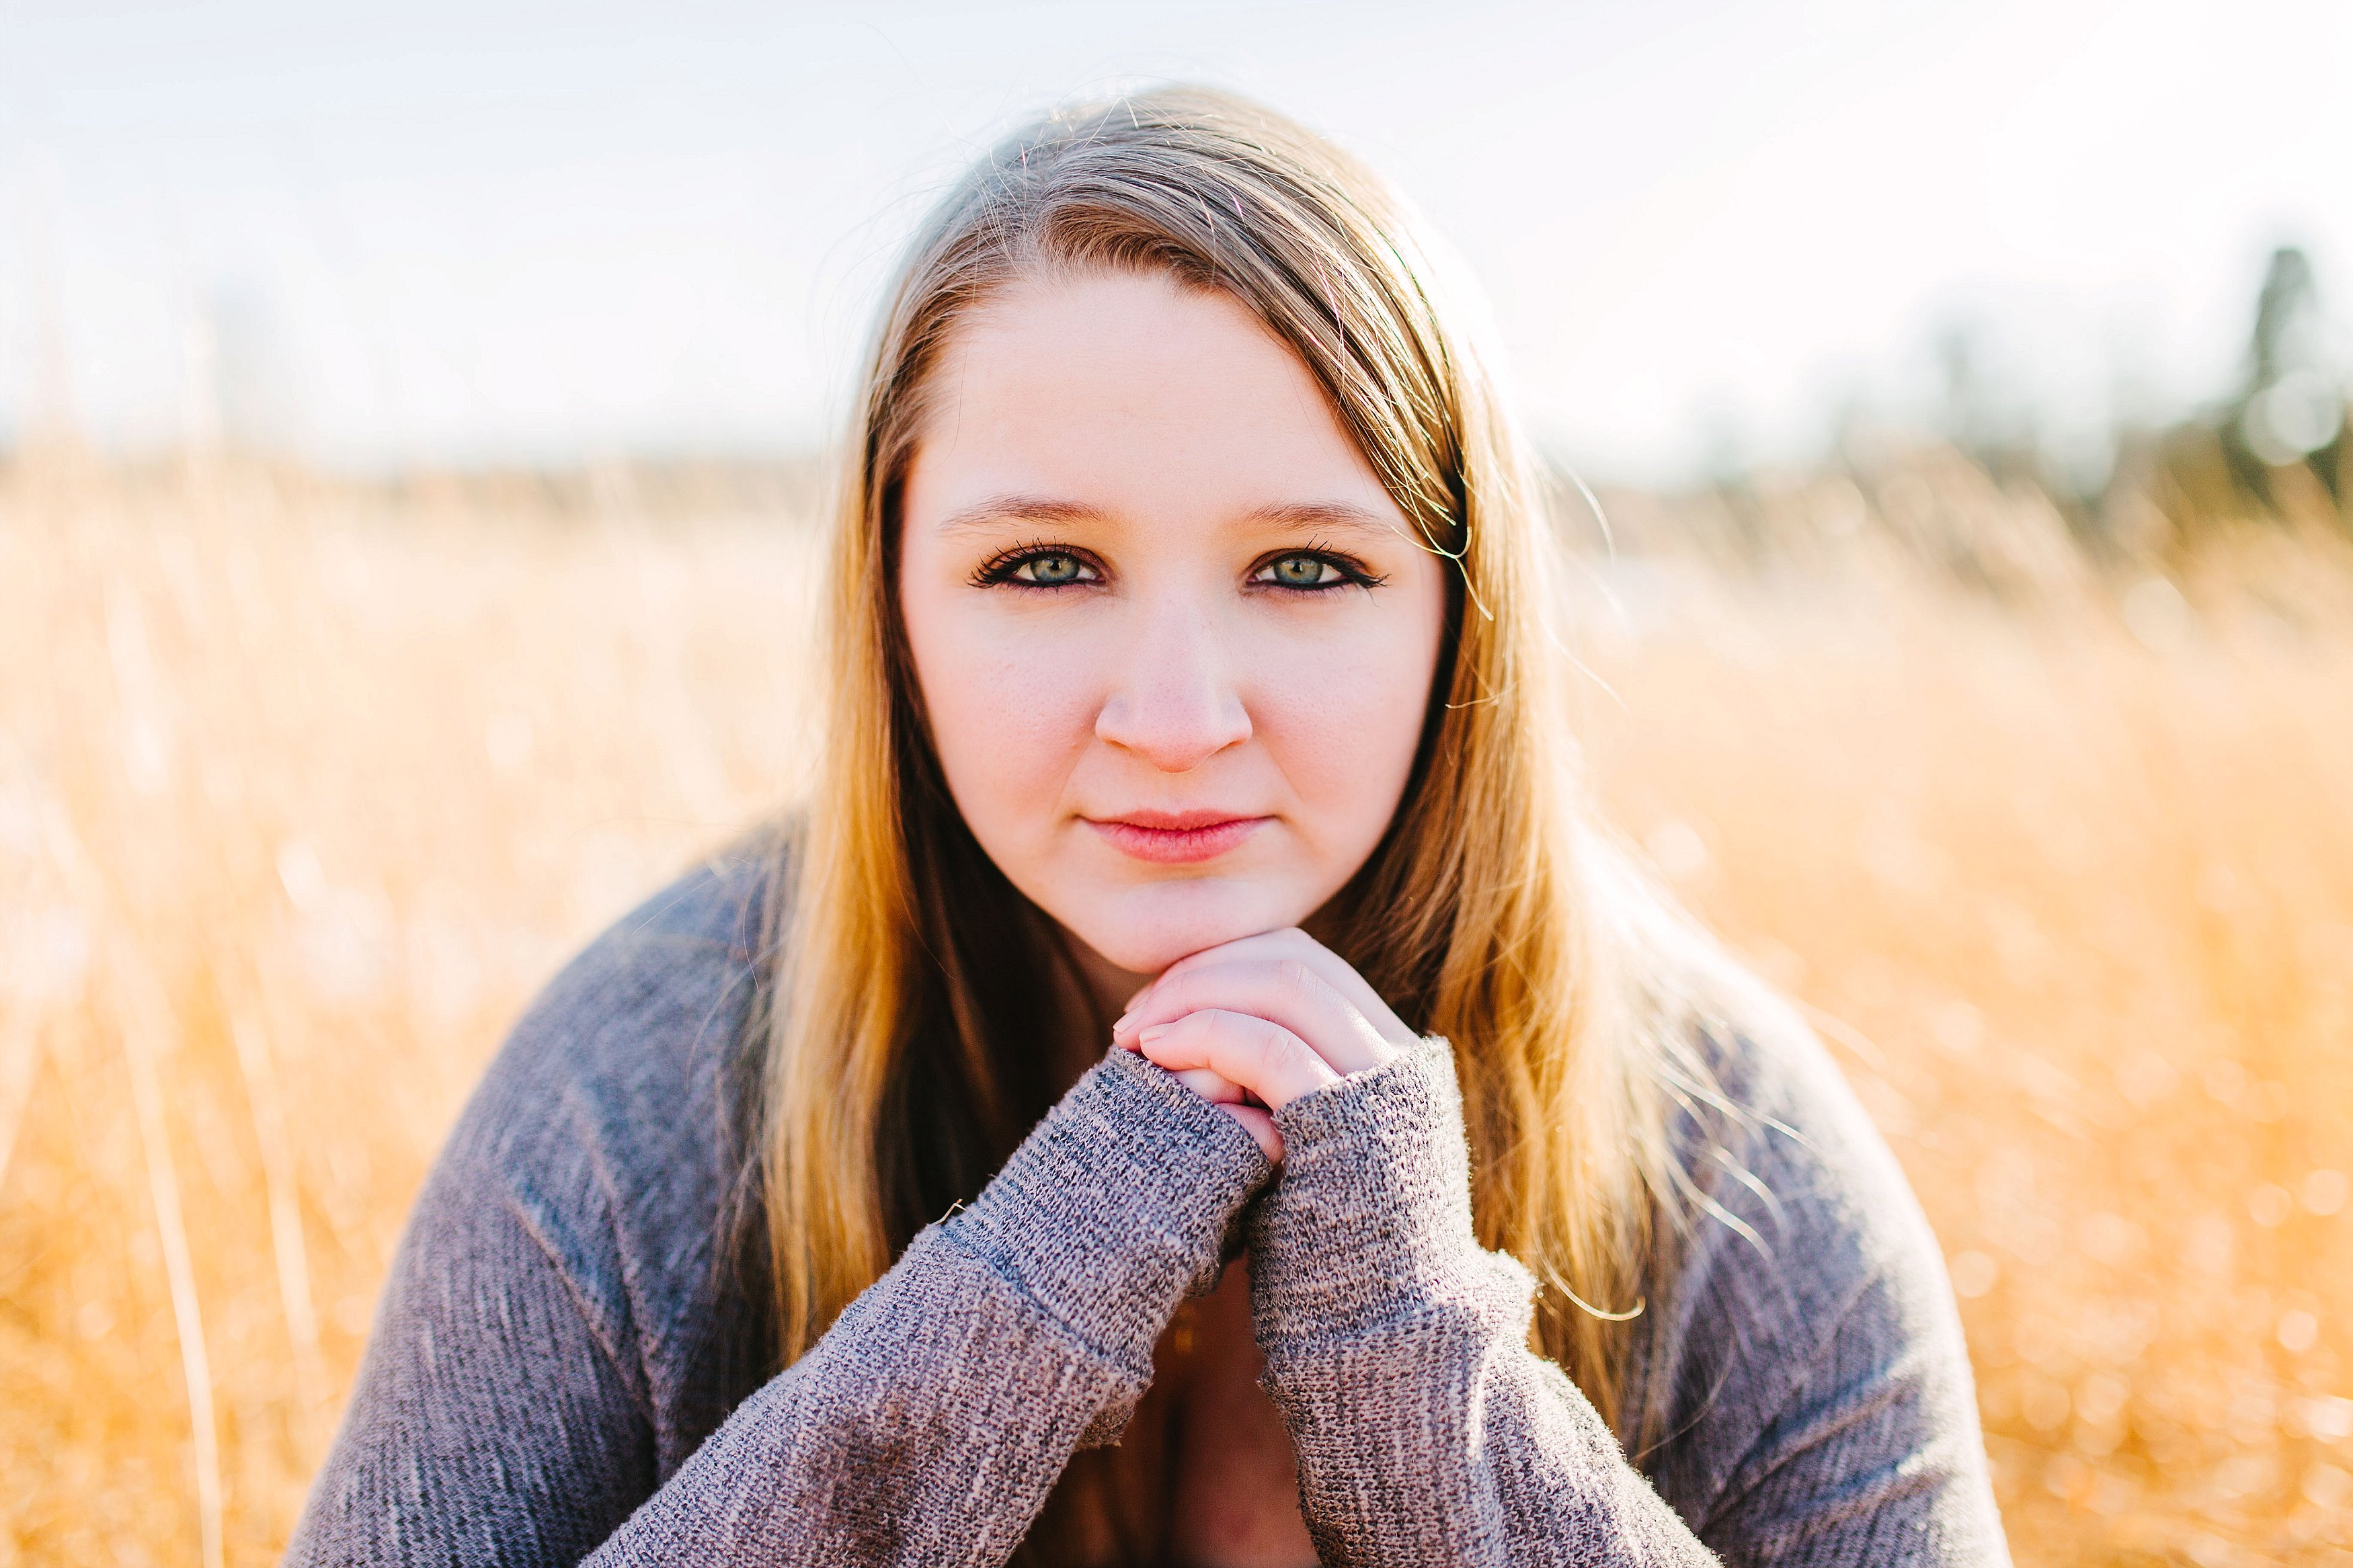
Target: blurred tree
[
  {"x": 2279, "y": 445},
  {"x": 2286, "y": 430}
]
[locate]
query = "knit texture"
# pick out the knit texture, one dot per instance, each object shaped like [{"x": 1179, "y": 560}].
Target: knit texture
[{"x": 555, "y": 1374}]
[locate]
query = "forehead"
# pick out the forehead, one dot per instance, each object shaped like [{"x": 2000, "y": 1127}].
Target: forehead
[{"x": 1132, "y": 395}]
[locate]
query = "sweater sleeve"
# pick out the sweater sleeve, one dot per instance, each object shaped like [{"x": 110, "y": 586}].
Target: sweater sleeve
[
  {"x": 496, "y": 1422},
  {"x": 1426, "y": 1429}
]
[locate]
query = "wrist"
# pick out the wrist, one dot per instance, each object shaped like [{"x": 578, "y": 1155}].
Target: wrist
[
  {"x": 1116, "y": 1206},
  {"x": 1369, "y": 1221}
]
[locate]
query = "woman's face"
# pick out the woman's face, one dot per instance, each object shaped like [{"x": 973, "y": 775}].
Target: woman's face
[{"x": 1175, "y": 640}]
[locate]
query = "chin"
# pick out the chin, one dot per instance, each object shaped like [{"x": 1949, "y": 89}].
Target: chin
[{"x": 1145, "y": 930}]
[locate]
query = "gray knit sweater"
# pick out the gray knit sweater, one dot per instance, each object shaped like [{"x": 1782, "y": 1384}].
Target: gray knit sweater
[{"x": 547, "y": 1381}]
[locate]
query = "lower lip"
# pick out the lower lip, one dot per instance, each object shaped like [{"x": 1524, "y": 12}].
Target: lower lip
[{"x": 1178, "y": 846}]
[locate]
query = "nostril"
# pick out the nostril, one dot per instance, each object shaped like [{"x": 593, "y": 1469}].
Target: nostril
[
  {"x": 1175, "y": 704},
  {"x": 1175, "y": 736}
]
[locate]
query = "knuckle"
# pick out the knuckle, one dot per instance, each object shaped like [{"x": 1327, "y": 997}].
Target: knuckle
[
  {"x": 1217, "y": 1031},
  {"x": 1281, "y": 1047},
  {"x": 1311, "y": 986},
  {"x": 1251, "y": 1040}
]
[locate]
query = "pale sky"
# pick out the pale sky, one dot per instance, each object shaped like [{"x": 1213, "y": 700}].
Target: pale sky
[{"x": 506, "y": 230}]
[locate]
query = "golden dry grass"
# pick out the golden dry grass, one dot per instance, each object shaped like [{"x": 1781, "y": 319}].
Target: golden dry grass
[{"x": 304, "y": 790}]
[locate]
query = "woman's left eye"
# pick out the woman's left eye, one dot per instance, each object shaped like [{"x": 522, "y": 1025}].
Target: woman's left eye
[{"x": 1301, "y": 572}]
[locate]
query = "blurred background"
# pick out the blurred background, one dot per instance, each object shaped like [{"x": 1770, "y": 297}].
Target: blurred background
[{"x": 412, "y": 433}]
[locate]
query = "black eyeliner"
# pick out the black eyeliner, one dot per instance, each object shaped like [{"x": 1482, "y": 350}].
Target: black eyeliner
[
  {"x": 1352, "y": 570},
  {"x": 998, "y": 569}
]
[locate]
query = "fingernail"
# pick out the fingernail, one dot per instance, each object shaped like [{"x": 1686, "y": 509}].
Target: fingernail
[{"x": 1151, "y": 1034}]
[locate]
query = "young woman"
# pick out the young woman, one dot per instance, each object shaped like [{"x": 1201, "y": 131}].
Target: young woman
[{"x": 1187, "y": 1087}]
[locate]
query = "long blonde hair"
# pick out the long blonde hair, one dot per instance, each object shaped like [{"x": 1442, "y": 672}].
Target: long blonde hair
[{"x": 906, "y": 1054}]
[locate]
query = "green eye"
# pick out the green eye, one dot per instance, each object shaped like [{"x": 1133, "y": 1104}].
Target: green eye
[
  {"x": 1049, "y": 571},
  {"x": 1303, "y": 571}
]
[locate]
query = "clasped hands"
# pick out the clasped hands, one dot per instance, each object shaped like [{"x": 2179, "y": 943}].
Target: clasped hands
[{"x": 1253, "y": 1024}]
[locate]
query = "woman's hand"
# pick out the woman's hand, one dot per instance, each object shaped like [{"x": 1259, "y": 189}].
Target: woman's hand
[{"x": 1252, "y": 1025}]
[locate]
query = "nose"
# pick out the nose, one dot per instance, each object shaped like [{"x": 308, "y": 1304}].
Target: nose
[{"x": 1173, "y": 704}]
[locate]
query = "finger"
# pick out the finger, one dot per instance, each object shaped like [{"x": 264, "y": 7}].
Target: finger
[
  {"x": 1227, "y": 1096},
  {"x": 1200, "y": 1081},
  {"x": 1283, "y": 991},
  {"x": 1210, "y": 1086},
  {"x": 1288, "y": 941},
  {"x": 1263, "y": 1058},
  {"x": 1261, "y": 1127},
  {"x": 1263, "y": 945},
  {"x": 1292, "y": 944}
]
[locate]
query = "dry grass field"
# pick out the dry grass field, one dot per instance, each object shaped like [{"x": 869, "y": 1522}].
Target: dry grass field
[{"x": 304, "y": 788}]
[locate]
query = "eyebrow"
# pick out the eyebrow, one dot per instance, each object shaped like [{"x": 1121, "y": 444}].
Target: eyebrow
[
  {"x": 1343, "y": 516},
  {"x": 985, "y": 514}
]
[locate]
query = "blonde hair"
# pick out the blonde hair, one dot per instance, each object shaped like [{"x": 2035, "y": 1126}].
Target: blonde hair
[{"x": 901, "y": 1066}]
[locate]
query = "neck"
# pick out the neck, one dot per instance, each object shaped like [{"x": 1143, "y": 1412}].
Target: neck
[{"x": 1105, "y": 990}]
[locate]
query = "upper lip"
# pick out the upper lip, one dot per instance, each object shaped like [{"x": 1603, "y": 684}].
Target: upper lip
[{"x": 1176, "y": 821}]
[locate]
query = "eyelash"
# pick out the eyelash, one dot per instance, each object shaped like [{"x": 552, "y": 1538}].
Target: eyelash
[{"x": 999, "y": 569}]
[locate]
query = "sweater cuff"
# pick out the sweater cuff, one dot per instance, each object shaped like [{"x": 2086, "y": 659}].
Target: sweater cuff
[
  {"x": 1116, "y": 1206},
  {"x": 1370, "y": 1222}
]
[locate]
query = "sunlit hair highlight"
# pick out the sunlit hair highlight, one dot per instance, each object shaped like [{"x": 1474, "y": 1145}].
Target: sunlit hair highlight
[{"x": 901, "y": 1066}]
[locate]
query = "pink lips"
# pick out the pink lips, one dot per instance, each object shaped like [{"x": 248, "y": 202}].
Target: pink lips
[{"x": 1176, "y": 838}]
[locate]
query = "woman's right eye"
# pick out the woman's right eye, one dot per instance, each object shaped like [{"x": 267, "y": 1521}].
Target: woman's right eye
[{"x": 1048, "y": 569}]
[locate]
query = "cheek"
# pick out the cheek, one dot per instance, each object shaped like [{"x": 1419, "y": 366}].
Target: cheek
[
  {"x": 1342, "y": 721},
  {"x": 1007, "y": 720}
]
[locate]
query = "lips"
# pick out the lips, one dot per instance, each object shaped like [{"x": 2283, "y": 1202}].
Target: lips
[{"x": 1176, "y": 838}]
